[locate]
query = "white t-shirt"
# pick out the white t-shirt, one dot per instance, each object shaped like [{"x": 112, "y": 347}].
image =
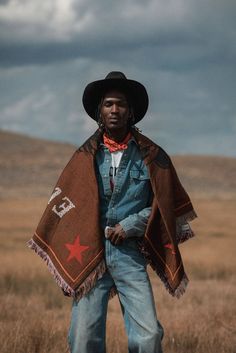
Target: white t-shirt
[{"x": 115, "y": 161}]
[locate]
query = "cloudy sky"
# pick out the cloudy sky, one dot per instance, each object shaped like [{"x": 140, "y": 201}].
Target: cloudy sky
[{"x": 183, "y": 51}]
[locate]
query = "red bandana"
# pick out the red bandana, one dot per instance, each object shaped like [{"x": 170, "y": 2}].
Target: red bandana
[{"x": 116, "y": 146}]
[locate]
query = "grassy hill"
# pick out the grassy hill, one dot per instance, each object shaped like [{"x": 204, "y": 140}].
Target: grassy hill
[
  {"x": 33, "y": 306},
  {"x": 32, "y": 166}
]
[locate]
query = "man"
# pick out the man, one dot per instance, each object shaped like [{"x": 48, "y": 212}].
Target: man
[{"x": 117, "y": 206}]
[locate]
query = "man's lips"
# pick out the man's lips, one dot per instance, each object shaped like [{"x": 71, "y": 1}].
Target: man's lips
[{"x": 114, "y": 119}]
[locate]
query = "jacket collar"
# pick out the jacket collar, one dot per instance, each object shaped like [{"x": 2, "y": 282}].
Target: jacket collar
[{"x": 147, "y": 147}]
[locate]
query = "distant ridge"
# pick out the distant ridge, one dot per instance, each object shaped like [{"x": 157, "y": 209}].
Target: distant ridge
[
  {"x": 30, "y": 167},
  {"x": 207, "y": 176}
]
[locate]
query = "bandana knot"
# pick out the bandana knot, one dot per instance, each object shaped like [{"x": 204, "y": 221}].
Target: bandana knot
[{"x": 116, "y": 146}]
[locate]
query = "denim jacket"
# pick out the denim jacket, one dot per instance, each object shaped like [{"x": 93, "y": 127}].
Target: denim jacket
[{"x": 129, "y": 204}]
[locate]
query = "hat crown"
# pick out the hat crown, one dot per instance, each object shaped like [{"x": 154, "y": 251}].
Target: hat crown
[
  {"x": 135, "y": 91},
  {"x": 115, "y": 75}
]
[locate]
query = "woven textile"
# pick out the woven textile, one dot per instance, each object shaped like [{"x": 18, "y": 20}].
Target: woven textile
[{"x": 69, "y": 237}]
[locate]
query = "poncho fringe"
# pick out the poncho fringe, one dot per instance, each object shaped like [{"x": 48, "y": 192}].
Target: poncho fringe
[
  {"x": 183, "y": 230},
  {"x": 84, "y": 288},
  {"x": 65, "y": 225},
  {"x": 180, "y": 290}
]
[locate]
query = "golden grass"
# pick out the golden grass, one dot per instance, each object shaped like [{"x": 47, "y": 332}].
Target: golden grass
[{"x": 35, "y": 315}]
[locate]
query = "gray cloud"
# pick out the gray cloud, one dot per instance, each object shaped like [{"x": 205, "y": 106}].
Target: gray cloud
[
  {"x": 192, "y": 31},
  {"x": 183, "y": 51}
]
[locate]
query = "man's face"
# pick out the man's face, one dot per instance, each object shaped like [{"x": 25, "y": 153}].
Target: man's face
[{"x": 115, "y": 111}]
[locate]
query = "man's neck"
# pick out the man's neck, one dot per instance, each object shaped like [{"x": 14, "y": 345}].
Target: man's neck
[{"x": 117, "y": 135}]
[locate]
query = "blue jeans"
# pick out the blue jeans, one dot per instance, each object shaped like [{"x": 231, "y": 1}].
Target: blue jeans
[{"x": 127, "y": 272}]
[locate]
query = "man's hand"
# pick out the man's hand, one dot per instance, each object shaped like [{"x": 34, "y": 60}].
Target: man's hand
[{"x": 116, "y": 234}]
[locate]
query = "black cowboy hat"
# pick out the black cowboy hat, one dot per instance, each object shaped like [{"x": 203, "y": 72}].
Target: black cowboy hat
[{"x": 136, "y": 94}]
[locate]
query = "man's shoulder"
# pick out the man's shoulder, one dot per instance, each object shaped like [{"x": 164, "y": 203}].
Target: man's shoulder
[
  {"x": 162, "y": 158},
  {"x": 156, "y": 152},
  {"x": 91, "y": 144}
]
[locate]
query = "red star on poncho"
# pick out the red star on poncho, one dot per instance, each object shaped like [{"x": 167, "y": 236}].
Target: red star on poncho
[
  {"x": 76, "y": 250},
  {"x": 170, "y": 246}
]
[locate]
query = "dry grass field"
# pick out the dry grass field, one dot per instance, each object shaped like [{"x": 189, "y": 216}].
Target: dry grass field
[{"x": 34, "y": 316}]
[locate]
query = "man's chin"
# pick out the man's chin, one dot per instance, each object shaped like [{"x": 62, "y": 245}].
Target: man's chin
[{"x": 115, "y": 127}]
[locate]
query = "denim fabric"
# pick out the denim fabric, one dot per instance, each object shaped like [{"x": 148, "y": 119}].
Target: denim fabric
[
  {"x": 129, "y": 202},
  {"x": 130, "y": 205},
  {"x": 127, "y": 271}
]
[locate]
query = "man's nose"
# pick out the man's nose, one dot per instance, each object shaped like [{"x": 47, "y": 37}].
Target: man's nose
[{"x": 114, "y": 108}]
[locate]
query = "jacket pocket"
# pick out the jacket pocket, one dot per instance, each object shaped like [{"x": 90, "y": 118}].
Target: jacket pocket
[{"x": 139, "y": 183}]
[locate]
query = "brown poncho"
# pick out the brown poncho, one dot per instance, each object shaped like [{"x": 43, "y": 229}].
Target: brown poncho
[{"x": 69, "y": 237}]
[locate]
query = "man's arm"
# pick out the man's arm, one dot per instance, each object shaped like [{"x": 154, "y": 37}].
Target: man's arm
[
  {"x": 135, "y": 224},
  {"x": 132, "y": 226}
]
